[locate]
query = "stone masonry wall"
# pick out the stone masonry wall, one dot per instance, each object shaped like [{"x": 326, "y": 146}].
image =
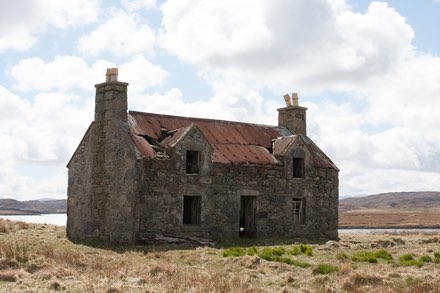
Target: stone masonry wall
[
  {"x": 103, "y": 174},
  {"x": 164, "y": 184}
]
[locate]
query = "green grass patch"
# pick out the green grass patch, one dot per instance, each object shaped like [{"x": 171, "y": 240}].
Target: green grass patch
[
  {"x": 294, "y": 251},
  {"x": 409, "y": 260},
  {"x": 302, "y": 248},
  {"x": 306, "y": 249},
  {"x": 276, "y": 254},
  {"x": 251, "y": 251},
  {"x": 437, "y": 257},
  {"x": 233, "y": 252},
  {"x": 425, "y": 258},
  {"x": 371, "y": 257},
  {"x": 324, "y": 269}
]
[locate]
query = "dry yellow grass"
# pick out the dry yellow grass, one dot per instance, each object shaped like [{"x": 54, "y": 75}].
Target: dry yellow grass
[{"x": 38, "y": 258}]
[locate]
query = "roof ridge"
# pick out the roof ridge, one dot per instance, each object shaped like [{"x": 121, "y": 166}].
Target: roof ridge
[{"x": 204, "y": 119}]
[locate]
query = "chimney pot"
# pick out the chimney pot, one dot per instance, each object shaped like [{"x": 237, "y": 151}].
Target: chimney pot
[
  {"x": 111, "y": 74},
  {"x": 295, "y": 99},
  {"x": 288, "y": 100}
]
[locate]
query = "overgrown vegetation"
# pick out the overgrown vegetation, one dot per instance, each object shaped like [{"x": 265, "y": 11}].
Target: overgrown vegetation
[
  {"x": 371, "y": 256},
  {"x": 276, "y": 254},
  {"x": 39, "y": 258},
  {"x": 324, "y": 269}
]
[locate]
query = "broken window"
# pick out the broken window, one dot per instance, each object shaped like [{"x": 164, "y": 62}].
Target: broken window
[
  {"x": 191, "y": 210},
  {"x": 192, "y": 162},
  {"x": 298, "y": 167},
  {"x": 299, "y": 214}
]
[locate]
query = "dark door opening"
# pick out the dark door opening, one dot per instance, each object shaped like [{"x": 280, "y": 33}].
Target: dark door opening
[{"x": 248, "y": 227}]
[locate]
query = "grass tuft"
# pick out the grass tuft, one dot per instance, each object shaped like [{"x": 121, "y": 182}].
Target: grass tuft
[
  {"x": 233, "y": 252},
  {"x": 251, "y": 251},
  {"x": 409, "y": 260},
  {"x": 371, "y": 257},
  {"x": 324, "y": 269}
]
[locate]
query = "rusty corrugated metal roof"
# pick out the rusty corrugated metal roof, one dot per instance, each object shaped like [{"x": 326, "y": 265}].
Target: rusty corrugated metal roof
[
  {"x": 232, "y": 142},
  {"x": 282, "y": 144},
  {"x": 319, "y": 159}
]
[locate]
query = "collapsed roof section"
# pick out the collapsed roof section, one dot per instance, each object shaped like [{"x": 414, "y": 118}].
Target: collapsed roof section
[{"x": 231, "y": 142}]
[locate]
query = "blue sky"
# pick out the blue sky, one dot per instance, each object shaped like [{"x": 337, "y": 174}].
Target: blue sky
[{"x": 368, "y": 71}]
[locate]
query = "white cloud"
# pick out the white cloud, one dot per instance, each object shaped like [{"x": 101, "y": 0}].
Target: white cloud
[
  {"x": 38, "y": 135},
  {"x": 311, "y": 44},
  {"x": 315, "y": 45},
  {"x": 22, "y": 20},
  {"x": 121, "y": 34},
  {"x": 133, "y": 5},
  {"x": 64, "y": 72},
  {"x": 141, "y": 73},
  {"x": 69, "y": 72},
  {"x": 235, "y": 103}
]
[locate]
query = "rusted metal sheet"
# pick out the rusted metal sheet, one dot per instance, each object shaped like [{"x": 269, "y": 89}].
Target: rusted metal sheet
[
  {"x": 143, "y": 146},
  {"x": 238, "y": 154},
  {"x": 232, "y": 142},
  {"x": 319, "y": 159},
  {"x": 282, "y": 144}
]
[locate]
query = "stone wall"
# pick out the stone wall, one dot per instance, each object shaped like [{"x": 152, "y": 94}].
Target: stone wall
[
  {"x": 164, "y": 185},
  {"x": 103, "y": 173}
]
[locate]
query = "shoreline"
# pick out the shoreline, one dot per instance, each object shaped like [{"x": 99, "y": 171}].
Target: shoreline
[
  {"x": 406, "y": 227},
  {"x": 28, "y": 213}
]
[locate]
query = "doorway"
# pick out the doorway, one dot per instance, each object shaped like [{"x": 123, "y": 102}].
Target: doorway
[{"x": 248, "y": 207}]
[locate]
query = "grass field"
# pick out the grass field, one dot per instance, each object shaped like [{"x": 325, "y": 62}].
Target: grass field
[{"x": 39, "y": 258}]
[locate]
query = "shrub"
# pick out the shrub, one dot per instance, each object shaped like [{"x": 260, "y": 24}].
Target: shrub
[
  {"x": 233, "y": 252},
  {"x": 324, "y": 269}
]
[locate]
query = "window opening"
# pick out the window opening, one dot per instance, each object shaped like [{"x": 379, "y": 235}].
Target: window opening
[
  {"x": 192, "y": 162},
  {"x": 299, "y": 211},
  {"x": 298, "y": 167},
  {"x": 191, "y": 210}
]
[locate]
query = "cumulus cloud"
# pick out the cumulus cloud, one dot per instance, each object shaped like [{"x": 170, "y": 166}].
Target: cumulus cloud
[
  {"x": 310, "y": 44},
  {"x": 235, "y": 103},
  {"x": 22, "y": 20},
  {"x": 39, "y": 135},
  {"x": 141, "y": 73},
  {"x": 70, "y": 72},
  {"x": 120, "y": 35}
]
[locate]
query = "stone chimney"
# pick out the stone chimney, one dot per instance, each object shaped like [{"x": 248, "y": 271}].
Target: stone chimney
[
  {"x": 111, "y": 98},
  {"x": 293, "y": 117}
]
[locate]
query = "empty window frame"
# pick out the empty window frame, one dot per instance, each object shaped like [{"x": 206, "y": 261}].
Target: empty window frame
[
  {"x": 192, "y": 162},
  {"x": 299, "y": 211},
  {"x": 191, "y": 210},
  {"x": 298, "y": 168}
]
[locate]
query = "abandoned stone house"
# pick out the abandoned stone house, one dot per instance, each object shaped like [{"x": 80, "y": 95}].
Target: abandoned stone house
[{"x": 137, "y": 173}]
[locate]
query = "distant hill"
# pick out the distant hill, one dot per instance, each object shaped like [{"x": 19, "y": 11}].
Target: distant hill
[
  {"x": 392, "y": 200},
  {"x": 394, "y": 209},
  {"x": 9, "y": 206}
]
